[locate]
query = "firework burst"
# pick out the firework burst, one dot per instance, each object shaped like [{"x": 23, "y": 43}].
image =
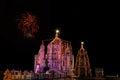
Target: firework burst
[{"x": 28, "y": 24}]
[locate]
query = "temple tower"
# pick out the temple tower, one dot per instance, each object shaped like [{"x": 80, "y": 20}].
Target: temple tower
[
  {"x": 82, "y": 66},
  {"x": 55, "y": 56}
]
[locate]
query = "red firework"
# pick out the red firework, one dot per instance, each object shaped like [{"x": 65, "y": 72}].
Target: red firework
[{"x": 28, "y": 24}]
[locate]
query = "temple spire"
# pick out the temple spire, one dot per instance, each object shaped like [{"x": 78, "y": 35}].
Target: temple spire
[
  {"x": 57, "y": 32},
  {"x": 82, "y": 47},
  {"x": 82, "y": 65},
  {"x": 56, "y": 36}
]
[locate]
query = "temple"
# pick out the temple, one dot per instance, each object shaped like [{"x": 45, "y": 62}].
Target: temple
[
  {"x": 82, "y": 66},
  {"x": 55, "y": 56}
]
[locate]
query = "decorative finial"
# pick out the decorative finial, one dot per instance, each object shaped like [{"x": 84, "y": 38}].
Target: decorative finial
[
  {"x": 82, "y": 43},
  {"x": 57, "y": 32}
]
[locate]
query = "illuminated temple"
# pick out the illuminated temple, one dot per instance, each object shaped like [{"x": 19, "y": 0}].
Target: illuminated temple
[
  {"x": 82, "y": 66},
  {"x": 55, "y": 61},
  {"x": 55, "y": 56}
]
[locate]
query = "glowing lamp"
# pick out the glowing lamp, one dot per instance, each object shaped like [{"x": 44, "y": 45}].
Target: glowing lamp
[
  {"x": 57, "y": 31},
  {"x": 82, "y": 43}
]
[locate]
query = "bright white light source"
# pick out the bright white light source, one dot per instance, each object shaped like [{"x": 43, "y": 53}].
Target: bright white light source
[
  {"x": 57, "y": 31},
  {"x": 82, "y": 43}
]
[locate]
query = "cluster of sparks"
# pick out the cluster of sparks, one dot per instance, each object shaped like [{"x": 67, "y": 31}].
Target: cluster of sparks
[{"x": 28, "y": 24}]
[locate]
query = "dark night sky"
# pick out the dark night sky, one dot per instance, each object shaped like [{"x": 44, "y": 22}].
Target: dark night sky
[{"x": 95, "y": 23}]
